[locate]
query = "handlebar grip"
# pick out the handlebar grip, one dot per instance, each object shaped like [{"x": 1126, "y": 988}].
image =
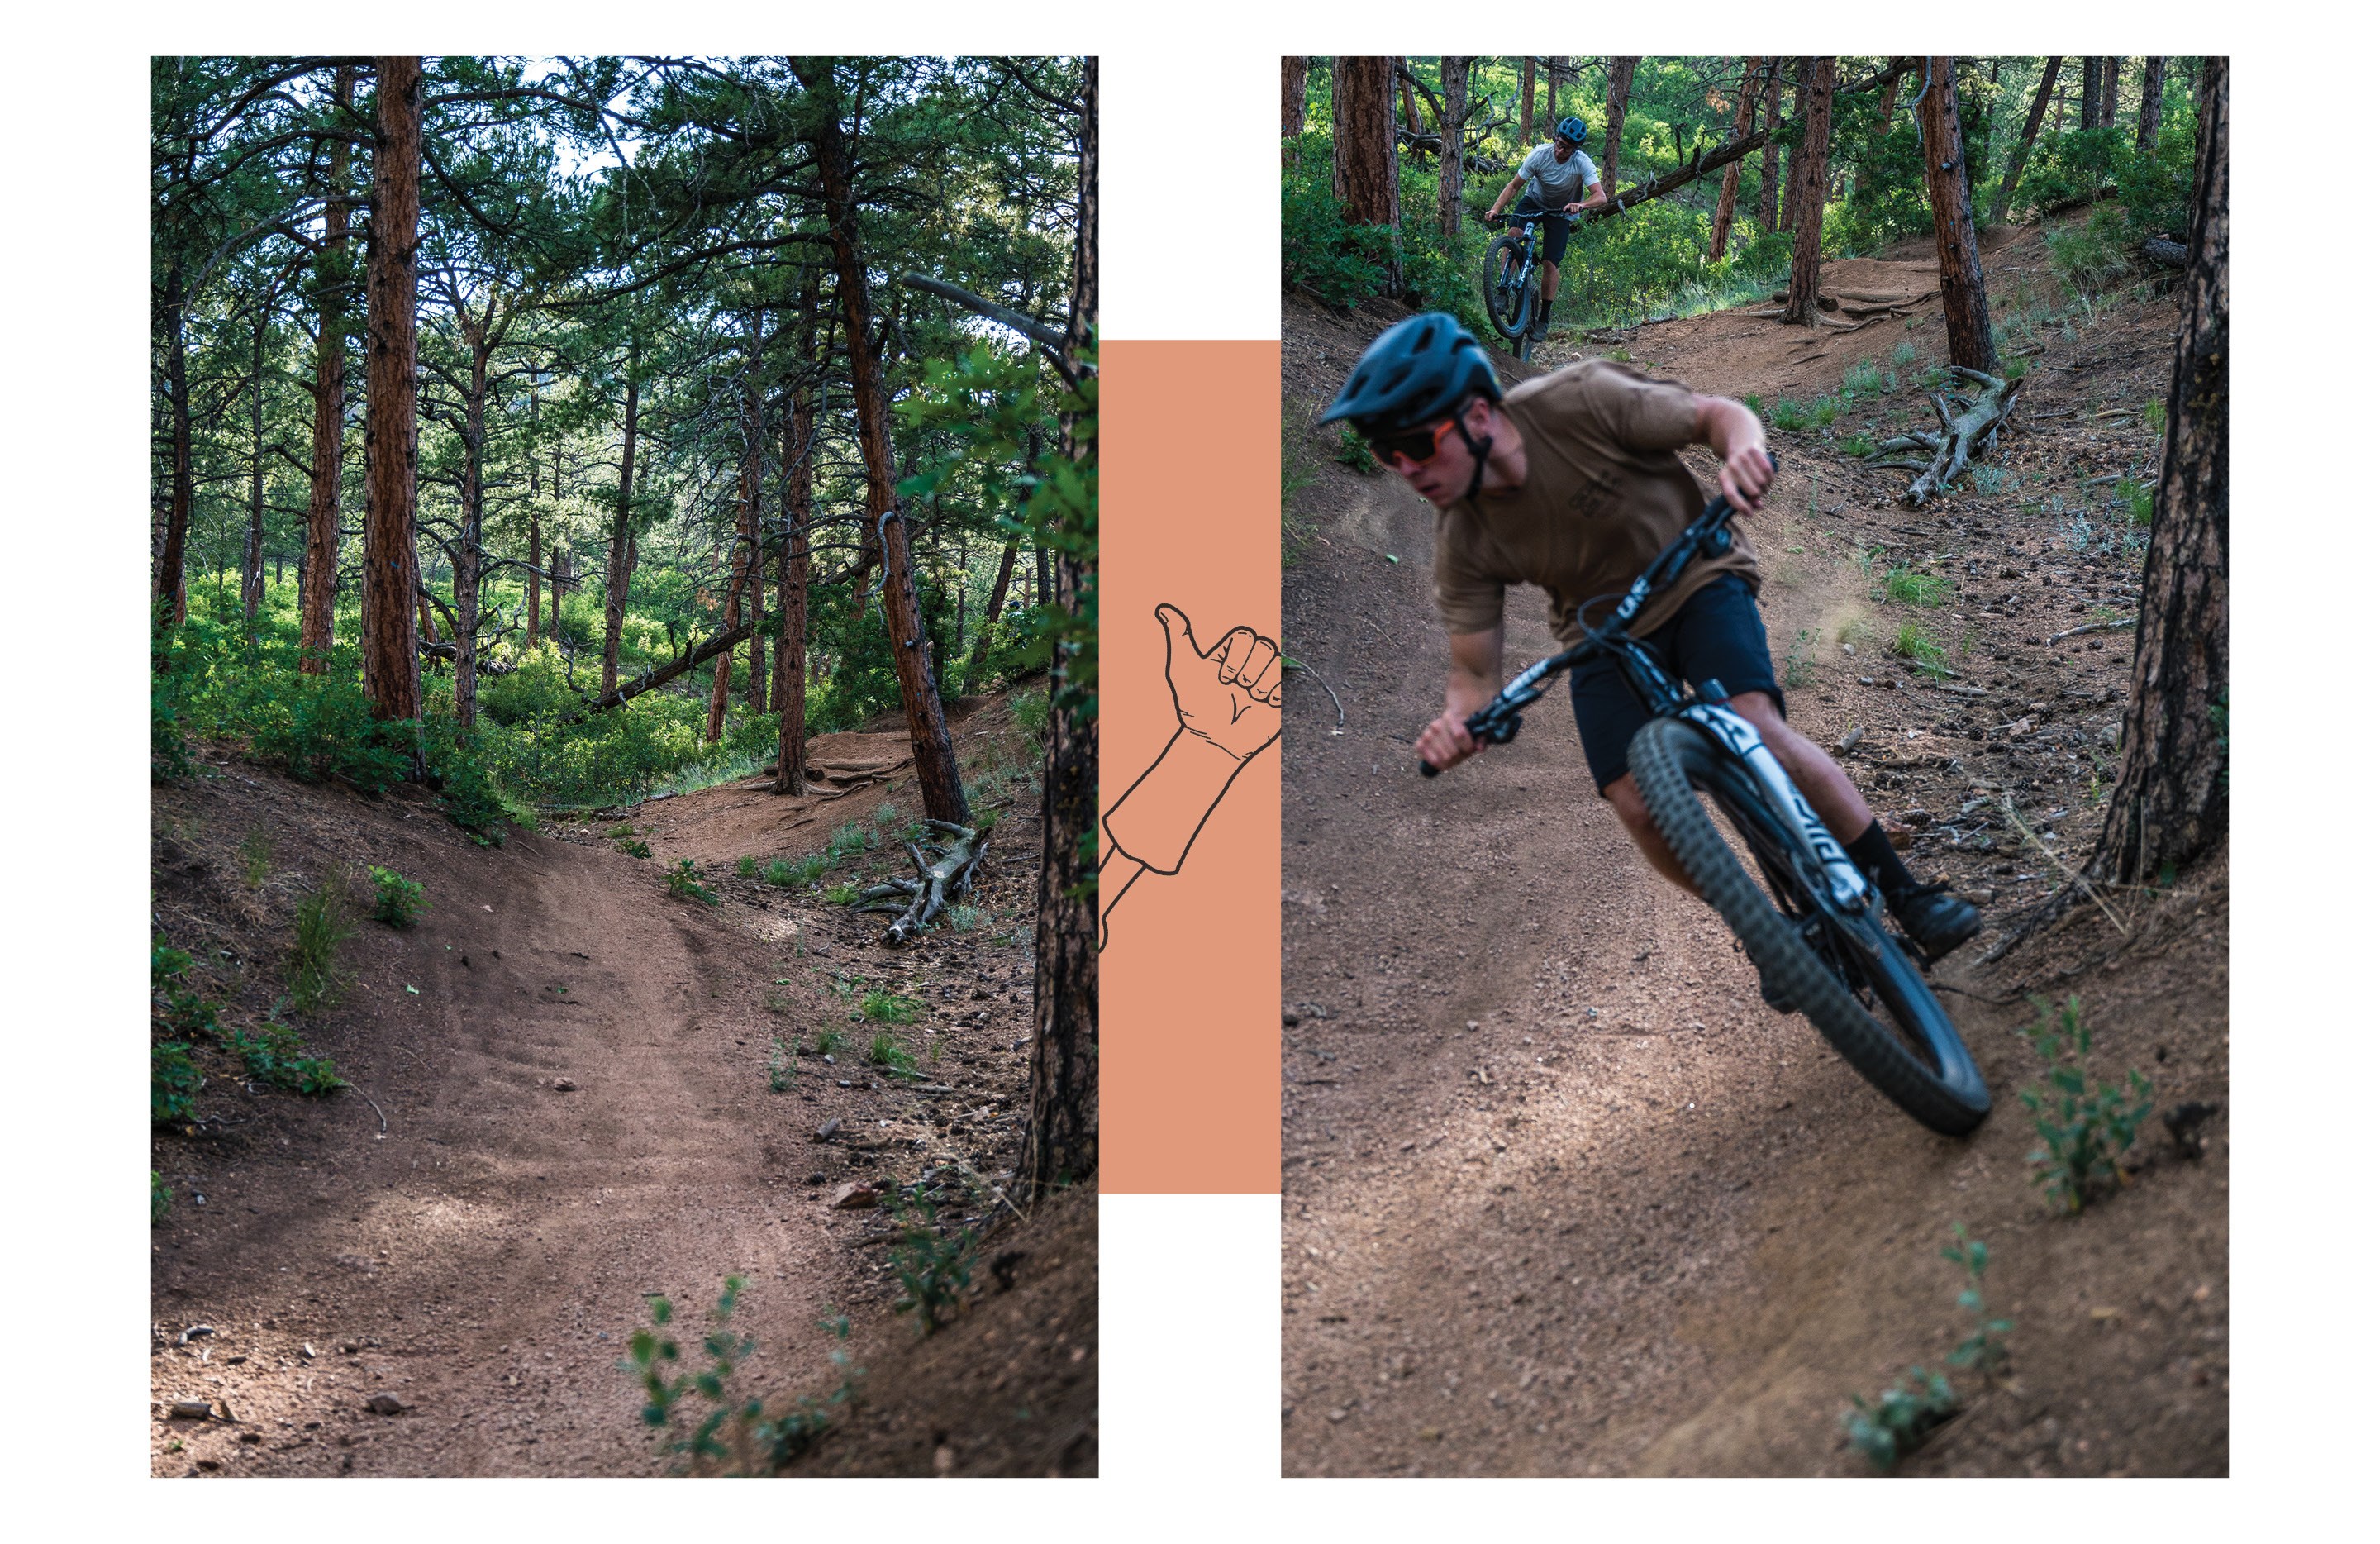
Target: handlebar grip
[{"x": 1428, "y": 771}]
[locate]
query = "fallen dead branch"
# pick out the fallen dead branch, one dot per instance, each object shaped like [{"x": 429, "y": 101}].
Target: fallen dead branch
[
  {"x": 2116, "y": 626},
  {"x": 951, "y": 874},
  {"x": 1978, "y": 420}
]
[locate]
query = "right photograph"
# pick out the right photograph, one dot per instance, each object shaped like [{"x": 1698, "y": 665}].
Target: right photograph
[{"x": 1755, "y": 764}]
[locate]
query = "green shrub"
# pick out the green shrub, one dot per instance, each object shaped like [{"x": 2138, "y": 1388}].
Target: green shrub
[
  {"x": 848, "y": 842},
  {"x": 2139, "y": 498},
  {"x": 734, "y": 1438},
  {"x": 747, "y": 867},
  {"x": 275, "y": 1056},
  {"x": 828, "y": 1042},
  {"x": 1863, "y": 378},
  {"x": 169, "y": 752},
  {"x": 1355, "y": 451},
  {"x": 685, "y": 882},
  {"x": 2093, "y": 257},
  {"x": 315, "y": 979},
  {"x": 184, "y": 1012},
  {"x": 1030, "y": 709},
  {"x": 174, "y": 1083},
  {"x": 781, "y": 1067},
  {"x": 1904, "y": 354},
  {"x": 160, "y": 1198},
  {"x": 325, "y": 729},
  {"x": 1901, "y": 1418},
  {"x": 1799, "y": 670},
  {"x": 965, "y": 918},
  {"x": 2084, "y": 1134},
  {"x": 885, "y": 1007},
  {"x": 1858, "y": 446},
  {"x": 634, "y": 847},
  {"x": 1920, "y": 647},
  {"x": 934, "y": 1270},
  {"x": 1823, "y": 412},
  {"x": 1912, "y": 587},
  {"x": 782, "y": 874},
  {"x": 396, "y": 900},
  {"x": 890, "y": 1053},
  {"x": 1788, "y": 415},
  {"x": 2152, "y": 414},
  {"x": 1982, "y": 1348}
]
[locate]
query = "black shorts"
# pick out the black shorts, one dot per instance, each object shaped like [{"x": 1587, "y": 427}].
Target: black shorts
[
  {"x": 1555, "y": 224},
  {"x": 1717, "y": 633}
]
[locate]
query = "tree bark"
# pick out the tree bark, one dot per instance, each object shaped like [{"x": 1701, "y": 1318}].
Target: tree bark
[
  {"x": 1454, "y": 85},
  {"x": 171, "y": 594},
  {"x": 318, "y": 588},
  {"x": 622, "y": 567},
  {"x": 1796, "y": 183},
  {"x": 1966, "y": 312},
  {"x": 1293, "y": 102},
  {"x": 1364, "y": 134},
  {"x": 792, "y": 691},
  {"x": 1061, "y": 1126},
  {"x": 1810, "y": 195},
  {"x": 2171, "y": 801},
  {"x": 474, "y": 524},
  {"x": 1528, "y": 96},
  {"x": 252, "y": 556},
  {"x": 1615, "y": 114},
  {"x": 2091, "y": 90},
  {"x": 929, "y": 739},
  {"x": 2024, "y": 143},
  {"x": 1767, "y": 210},
  {"x": 2110, "y": 72},
  {"x": 2152, "y": 104},
  {"x": 743, "y": 567},
  {"x": 1724, "y": 216},
  {"x": 391, "y": 573}
]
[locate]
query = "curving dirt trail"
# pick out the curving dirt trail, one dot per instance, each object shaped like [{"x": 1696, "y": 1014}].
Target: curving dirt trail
[{"x": 1559, "y": 1195}]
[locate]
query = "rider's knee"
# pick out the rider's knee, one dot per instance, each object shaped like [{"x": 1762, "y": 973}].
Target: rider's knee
[{"x": 1628, "y": 804}]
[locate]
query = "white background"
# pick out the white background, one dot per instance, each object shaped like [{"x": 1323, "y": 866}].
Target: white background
[{"x": 1190, "y": 1424}]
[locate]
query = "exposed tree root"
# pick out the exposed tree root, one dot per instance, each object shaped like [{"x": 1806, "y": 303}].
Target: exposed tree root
[
  {"x": 1979, "y": 420},
  {"x": 951, "y": 874}
]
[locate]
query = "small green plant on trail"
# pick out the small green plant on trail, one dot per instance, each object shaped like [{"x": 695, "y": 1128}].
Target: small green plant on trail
[
  {"x": 2140, "y": 498},
  {"x": 733, "y": 1438},
  {"x": 685, "y": 883},
  {"x": 886, "y": 1007},
  {"x": 1354, "y": 451},
  {"x": 965, "y": 918},
  {"x": 812, "y": 869},
  {"x": 1912, "y": 588},
  {"x": 842, "y": 895},
  {"x": 1984, "y": 1349},
  {"x": 396, "y": 899},
  {"x": 160, "y": 1198},
  {"x": 782, "y": 874},
  {"x": 1989, "y": 481},
  {"x": 1799, "y": 670},
  {"x": 1031, "y": 711},
  {"x": 1904, "y": 354},
  {"x": 1788, "y": 415},
  {"x": 1917, "y": 646},
  {"x": 1823, "y": 412},
  {"x": 934, "y": 1270},
  {"x": 887, "y": 1052},
  {"x": 315, "y": 979},
  {"x": 635, "y": 846},
  {"x": 747, "y": 867},
  {"x": 2084, "y": 1134},
  {"x": 1863, "y": 378},
  {"x": 848, "y": 842},
  {"x": 781, "y": 1067},
  {"x": 621, "y": 831},
  {"x": 1856, "y": 444},
  {"x": 256, "y": 859},
  {"x": 276, "y": 1057},
  {"x": 174, "y": 1083},
  {"x": 184, "y": 1011},
  {"x": 1901, "y": 1418},
  {"x": 2152, "y": 414},
  {"x": 828, "y": 1042}
]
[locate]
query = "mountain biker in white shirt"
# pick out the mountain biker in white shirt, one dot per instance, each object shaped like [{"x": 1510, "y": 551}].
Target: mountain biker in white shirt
[{"x": 1560, "y": 178}]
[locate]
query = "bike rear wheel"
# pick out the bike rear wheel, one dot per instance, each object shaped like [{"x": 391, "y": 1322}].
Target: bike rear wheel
[
  {"x": 1868, "y": 998},
  {"x": 1503, "y": 283}
]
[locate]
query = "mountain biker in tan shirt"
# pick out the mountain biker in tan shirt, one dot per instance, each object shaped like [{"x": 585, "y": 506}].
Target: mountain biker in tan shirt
[{"x": 1572, "y": 482}]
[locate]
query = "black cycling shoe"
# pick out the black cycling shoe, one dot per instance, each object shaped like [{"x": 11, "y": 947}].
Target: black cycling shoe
[
  {"x": 1934, "y": 919},
  {"x": 1537, "y": 329}
]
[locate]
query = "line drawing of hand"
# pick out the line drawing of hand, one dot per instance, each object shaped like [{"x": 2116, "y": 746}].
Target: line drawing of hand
[
  {"x": 1236, "y": 704},
  {"x": 1227, "y": 710}
]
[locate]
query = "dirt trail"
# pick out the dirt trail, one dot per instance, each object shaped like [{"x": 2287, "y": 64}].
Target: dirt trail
[
  {"x": 1561, "y": 1197},
  {"x": 573, "y": 1069}
]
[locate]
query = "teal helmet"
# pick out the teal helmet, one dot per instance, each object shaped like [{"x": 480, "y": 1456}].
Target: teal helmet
[{"x": 1574, "y": 130}]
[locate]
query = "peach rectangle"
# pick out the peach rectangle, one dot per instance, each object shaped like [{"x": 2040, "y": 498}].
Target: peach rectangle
[{"x": 1190, "y": 973}]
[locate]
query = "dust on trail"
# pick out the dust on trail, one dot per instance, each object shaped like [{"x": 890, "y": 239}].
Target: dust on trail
[
  {"x": 1559, "y": 1195},
  {"x": 573, "y": 1070}
]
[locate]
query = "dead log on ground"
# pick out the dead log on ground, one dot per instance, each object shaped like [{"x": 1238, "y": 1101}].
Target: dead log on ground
[
  {"x": 951, "y": 874},
  {"x": 2164, "y": 253},
  {"x": 1979, "y": 420}
]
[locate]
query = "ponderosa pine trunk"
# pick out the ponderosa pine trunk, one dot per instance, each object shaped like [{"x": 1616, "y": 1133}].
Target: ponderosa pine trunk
[
  {"x": 2091, "y": 90},
  {"x": 2009, "y": 177},
  {"x": 2171, "y": 801},
  {"x": 1724, "y": 216},
  {"x": 1454, "y": 91},
  {"x": 1765, "y": 210},
  {"x": 1529, "y": 97},
  {"x": 171, "y": 594},
  {"x": 1622, "y": 77},
  {"x": 251, "y": 554},
  {"x": 2110, "y": 72},
  {"x": 334, "y": 273},
  {"x": 2152, "y": 104},
  {"x": 474, "y": 524},
  {"x": 391, "y": 573},
  {"x": 1293, "y": 102},
  {"x": 528, "y": 580},
  {"x": 622, "y": 565},
  {"x": 1363, "y": 134},
  {"x": 744, "y": 564},
  {"x": 791, "y": 686},
  {"x": 1817, "y": 101},
  {"x": 1966, "y": 313},
  {"x": 930, "y": 740},
  {"x": 1062, "y": 1127}
]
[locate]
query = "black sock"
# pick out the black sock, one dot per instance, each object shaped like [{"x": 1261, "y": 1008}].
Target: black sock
[{"x": 1872, "y": 850}]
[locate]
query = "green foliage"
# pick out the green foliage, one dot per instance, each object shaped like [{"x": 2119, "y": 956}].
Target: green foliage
[
  {"x": 169, "y": 753},
  {"x": 747, "y": 867},
  {"x": 321, "y": 925},
  {"x": 965, "y": 918},
  {"x": 782, "y": 874},
  {"x": 321, "y": 729},
  {"x": 635, "y": 846},
  {"x": 1904, "y": 355},
  {"x": 2093, "y": 257},
  {"x": 885, "y": 1007},
  {"x": 1863, "y": 378},
  {"x": 827, "y": 1043},
  {"x": 685, "y": 882},
  {"x": 2139, "y": 498},
  {"x": 1920, "y": 647},
  {"x": 1913, "y": 588},
  {"x": 2152, "y": 414},
  {"x": 1788, "y": 415},
  {"x": 183, "y": 1011},
  {"x": 934, "y": 1270},
  {"x": 781, "y": 1067},
  {"x": 160, "y": 1198},
  {"x": 887, "y": 1052},
  {"x": 1355, "y": 451},
  {"x": 274, "y": 1055},
  {"x": 1336, "y": 263},
  {"x": 1983, "y": 1349},
  {"x": 1799, "y": 670},
  {"x": 1988, "y": 481},
  {"x": 174, "y": 1083},
  {"x": 1030, "y": 710},
  {"x": 842, "y": 895},
  {"x": 1901, "y": 1418},
  {"x": 734, "y": 1435},
  {"x": 396, "y": 899},
  {"x": 2085, "y": 1133},
  {"x": 848, "y": 842},
  {"x": 255, "y": 859},
  {"x": 1856, "y": 446}
]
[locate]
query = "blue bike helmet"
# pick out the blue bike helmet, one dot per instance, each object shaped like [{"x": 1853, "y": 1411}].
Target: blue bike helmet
[
  {"x": 1574, "y": 130},
  {"x": 1423, "y": 370}
]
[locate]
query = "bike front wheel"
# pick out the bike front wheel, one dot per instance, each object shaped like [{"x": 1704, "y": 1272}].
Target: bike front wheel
[
  {"x": 1867, "y": 997},
  {"x": 1503, "y": 285}
]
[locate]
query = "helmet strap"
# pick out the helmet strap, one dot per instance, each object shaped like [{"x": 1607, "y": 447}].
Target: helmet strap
[{"x": 1480, "y": 450}]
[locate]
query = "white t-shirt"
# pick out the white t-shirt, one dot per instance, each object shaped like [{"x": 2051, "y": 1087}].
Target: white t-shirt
[{"x": 1554, "y": 182}]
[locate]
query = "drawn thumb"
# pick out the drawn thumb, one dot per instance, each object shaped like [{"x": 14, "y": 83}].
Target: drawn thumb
[{"x": 1177, "y": 632}]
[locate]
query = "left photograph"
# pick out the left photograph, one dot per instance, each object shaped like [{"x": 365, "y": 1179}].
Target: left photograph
[{"x": 623, "y": 701}]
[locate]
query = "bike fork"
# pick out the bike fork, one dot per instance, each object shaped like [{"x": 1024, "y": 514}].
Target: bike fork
[{"x": 1846, "y": 885}]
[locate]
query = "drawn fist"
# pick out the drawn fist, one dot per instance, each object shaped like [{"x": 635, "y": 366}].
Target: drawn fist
[{"x": 1228, "y": 695}]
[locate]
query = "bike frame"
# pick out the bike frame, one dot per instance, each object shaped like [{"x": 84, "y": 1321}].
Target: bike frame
[{"x": 1821, "y": 858}]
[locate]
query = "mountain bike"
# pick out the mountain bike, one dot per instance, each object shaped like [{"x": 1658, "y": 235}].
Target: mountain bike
[
  {"x": 1508, "y": 281},
  {"x": 1820, "y": 935}
]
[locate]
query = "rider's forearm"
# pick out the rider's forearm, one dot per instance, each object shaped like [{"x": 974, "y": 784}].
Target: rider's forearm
[
  {"x": 1504, "y": 198},
  {"x": 1728, "y": 426},
  {"x": 1475, "y": 672}
]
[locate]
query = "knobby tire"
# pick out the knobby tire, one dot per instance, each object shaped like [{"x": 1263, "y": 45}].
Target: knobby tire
[
  {"x": 1923, "y": 1067},
  {"x": 1509, "y": 312}
]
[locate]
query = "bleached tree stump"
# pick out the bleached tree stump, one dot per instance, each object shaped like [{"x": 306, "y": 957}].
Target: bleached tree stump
[
  {"x": 1977, "y": 421},
  {"x": 949, "y": 876}
]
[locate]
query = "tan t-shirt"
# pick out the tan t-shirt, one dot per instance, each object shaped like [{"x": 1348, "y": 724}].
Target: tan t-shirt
[{"x": 1606, "y": 493}]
